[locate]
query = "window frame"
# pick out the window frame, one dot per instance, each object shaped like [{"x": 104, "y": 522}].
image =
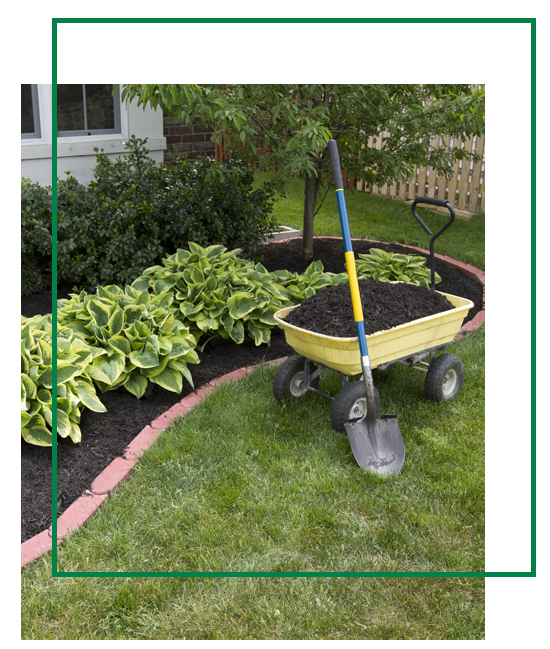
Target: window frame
[
  {"x": 86, "y": 133},
  {"x": 37, "y": 133}
]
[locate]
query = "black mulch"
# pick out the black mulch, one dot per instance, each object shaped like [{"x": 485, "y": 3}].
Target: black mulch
[
  {"x": 384, "y": 306},
  {"x": 106, "y": 435}
]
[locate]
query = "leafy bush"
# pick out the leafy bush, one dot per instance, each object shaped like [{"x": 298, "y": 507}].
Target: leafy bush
[
  {"x": 36, "y": 237},
  {"x": 75, "y": 389},
  {"x": 135, "y": 212},
  {"x": 383, "y": 266},
  {"x": 140, "y": 338},
  {"x": 219, "y": 293}
]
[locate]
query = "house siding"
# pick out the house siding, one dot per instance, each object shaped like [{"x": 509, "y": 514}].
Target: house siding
[{"x": 76, "y": 154}]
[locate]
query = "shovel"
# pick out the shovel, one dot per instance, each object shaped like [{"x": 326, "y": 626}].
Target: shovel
[{"x": 377, "y": 444}]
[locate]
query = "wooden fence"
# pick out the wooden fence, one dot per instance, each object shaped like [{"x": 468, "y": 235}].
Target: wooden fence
[{"x": 465, "y": 190}]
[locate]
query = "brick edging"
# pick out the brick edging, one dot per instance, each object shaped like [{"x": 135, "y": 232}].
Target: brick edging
[{"x": 119, "y": 469}]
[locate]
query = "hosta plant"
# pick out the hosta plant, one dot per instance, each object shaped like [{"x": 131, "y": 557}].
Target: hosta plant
[
  {"x": 142, "y": 339},
  {"x": 218, "y": 293},
  {"x": 303, "y": 286},
  {"x": 75, "y": 389},
  {"x": 383, "y": 266}
]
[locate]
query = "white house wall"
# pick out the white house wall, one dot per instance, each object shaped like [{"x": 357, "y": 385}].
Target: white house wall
[{"x": 76, "y": 154}]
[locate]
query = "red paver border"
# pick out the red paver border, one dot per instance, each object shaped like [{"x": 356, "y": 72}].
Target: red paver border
[{"x": 121, "y": 467}]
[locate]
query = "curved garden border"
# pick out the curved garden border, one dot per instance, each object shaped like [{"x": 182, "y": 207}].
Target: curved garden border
[{"x": 121, "y": 467}]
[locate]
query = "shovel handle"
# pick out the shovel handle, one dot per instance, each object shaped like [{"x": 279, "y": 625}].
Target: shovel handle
[
  {"x": 353, "y": 282},
  {"x": 348, "y": 251}
]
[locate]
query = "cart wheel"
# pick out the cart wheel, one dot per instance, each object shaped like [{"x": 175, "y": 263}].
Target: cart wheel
[
  {"x": 289, "y": 379},
  {"x": 351, "y": 403},
  {"x": 444, "y": 378}
]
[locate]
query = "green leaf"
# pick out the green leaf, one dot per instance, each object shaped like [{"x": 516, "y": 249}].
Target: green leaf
[
  {"x": 169, "y": 379},
  {"x": 45, "y": 352},
  {"x": 136, "y": 384},
  {"x": 116, "y": 322},
  {"x": 237, "y": 332},
  {"x": 46, "y": 378},
  {"x": 141, "y": 283},
  {"x": 132, "y": 314},
  {"x": 380, "y": 254},
  {"x": 164, "y": 284},
  {"x": 67, "y": 371},
  {"x": 153, "y": 371},
  {"x": 112, "y": 366},
  {"x": 44, "y": 396},
  {"x": 29, "y": 386},
  {"x": 99, "y": 312},
  {"x": 121, "y": 344},
  {"x": 97, "y": 375},
  {"x": 240, "y": 304},
  {"x": 181, "y": 346},
  {"x": 260, "y": 334},
  {"x": 63, "y": 423},
  {"x": 88, "y": 396},
  {"x": 147, "y": 358},
  {"x": 35, "y": 432},
  {"x": 188, "y": 308}
]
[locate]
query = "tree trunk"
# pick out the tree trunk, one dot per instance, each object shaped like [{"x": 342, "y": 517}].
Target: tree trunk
[{"x": 310, "y": 199}]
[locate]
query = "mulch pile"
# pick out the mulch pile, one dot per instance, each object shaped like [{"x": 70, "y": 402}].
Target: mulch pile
[
  {"x": 385, "y": 306},
  {"x": 106, "y": 435}
]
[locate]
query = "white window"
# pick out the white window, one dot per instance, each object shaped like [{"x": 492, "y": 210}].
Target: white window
[{"x": 87, "y": 109}]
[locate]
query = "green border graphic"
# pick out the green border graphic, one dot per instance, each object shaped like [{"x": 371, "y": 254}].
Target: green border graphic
[{"x": 498, "y": 52}]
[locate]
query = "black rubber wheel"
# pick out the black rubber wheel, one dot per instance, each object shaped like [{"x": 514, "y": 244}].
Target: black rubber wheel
[
  {"x": 288, "y": 383},
  {"x": 351, "y": 403},
  {"x": 444, "y": 378}
]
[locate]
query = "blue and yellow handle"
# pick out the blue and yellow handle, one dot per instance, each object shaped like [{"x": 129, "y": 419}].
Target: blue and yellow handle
[{"x": 348, "y": 250}]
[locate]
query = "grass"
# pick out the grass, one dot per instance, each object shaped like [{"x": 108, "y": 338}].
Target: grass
[
  {"x": 277, "y": 608},
  {"x": 383, "y": 219},
  {"x": 243, "y": 484},
  {"x": 271, "y": 488}
]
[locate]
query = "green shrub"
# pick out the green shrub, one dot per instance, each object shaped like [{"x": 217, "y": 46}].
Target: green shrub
[
  {"x": 135, "y": 212},
  {"x": 36, "y": 238},
  {"x": 383, "y": 266}
]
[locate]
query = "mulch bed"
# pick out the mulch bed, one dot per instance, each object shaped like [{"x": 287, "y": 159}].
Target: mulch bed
[{"x": 106, "y": 435}]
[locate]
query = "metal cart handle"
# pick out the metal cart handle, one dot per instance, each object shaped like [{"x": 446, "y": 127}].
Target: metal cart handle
[{"x": 439, "y": 202}]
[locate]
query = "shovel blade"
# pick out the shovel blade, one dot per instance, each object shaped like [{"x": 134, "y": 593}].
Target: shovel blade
[{"x": 377, "y": 445}]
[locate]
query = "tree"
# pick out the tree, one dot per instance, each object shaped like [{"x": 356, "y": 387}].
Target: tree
[{"x": 285, "y": 128}]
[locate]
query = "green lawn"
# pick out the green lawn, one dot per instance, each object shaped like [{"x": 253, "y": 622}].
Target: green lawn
[
  {"x": 383, "y": 219},
  {"x": 244, "y": 484},
  {"x": 249, "y": 608}
]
